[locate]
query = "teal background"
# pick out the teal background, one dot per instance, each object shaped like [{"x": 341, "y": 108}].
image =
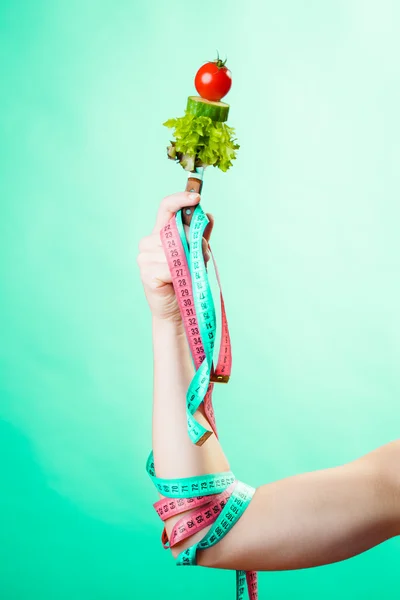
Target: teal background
[{"x": 306, "y": 240}]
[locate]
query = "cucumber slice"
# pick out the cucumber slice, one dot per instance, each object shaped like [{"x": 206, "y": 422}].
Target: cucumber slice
[{"x": 199, "y": 107}]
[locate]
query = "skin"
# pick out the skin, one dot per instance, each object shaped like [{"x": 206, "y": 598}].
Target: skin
[{"x": 302, "y": 521}]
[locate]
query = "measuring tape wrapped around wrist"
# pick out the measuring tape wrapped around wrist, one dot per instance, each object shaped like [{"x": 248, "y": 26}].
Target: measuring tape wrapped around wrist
[{"x": 216, "y": 499}]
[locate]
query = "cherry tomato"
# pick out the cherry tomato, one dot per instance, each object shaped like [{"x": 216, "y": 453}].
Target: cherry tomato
[{"x": 213, "y": 80}]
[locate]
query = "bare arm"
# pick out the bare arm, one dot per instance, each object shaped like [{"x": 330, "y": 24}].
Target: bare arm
[
  {"x": 174, "y": 454},
  {"x": 316, "y": 518},
  {"x": 301, "y": 521}
]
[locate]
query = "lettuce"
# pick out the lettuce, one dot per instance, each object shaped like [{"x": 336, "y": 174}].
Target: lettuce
[{"x": 201, "y": 142}]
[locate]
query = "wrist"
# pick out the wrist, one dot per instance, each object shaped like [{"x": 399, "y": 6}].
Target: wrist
[{"x": 172, "y": 324}]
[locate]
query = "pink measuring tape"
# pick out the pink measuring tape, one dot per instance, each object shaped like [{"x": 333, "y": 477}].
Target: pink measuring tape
[{"x": 225, "y": 498}]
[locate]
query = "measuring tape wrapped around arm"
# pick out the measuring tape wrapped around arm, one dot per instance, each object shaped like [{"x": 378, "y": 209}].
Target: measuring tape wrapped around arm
[{"x": 217, "y": 500}]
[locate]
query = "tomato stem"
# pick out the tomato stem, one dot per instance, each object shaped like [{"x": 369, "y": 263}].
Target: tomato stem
[{"x": 220, "y": 63}]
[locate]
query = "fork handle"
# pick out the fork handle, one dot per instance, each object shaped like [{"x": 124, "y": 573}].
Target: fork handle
[{"x": 194, "y": 184}]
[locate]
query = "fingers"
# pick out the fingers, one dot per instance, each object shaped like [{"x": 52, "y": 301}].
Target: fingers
[
  {"x": 206, "y": 251},
  {"x": 151, "y": 259},
  {"x": 150, "y": 243},
  {"x": 158, "y": 278},
  {"x": 153, "y": 266},
  {"x": 154, "y": 269},
  {"x": 171, "y": 204},
  {"x": 209, "y": 227}
]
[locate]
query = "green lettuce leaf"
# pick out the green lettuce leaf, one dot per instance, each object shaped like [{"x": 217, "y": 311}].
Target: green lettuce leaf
[{"x": 201, "y": 142}]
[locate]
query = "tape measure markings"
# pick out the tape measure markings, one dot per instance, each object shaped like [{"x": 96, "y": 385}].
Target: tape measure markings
[
  {"x": 182, "y": 282},
  {"x": 231, "y": 513},
  {"x": 199, "y": 519},
  {"x": 218, "y": 498}
]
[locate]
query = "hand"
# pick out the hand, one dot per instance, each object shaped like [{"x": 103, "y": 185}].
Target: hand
[{"x": 152, "y": 261}]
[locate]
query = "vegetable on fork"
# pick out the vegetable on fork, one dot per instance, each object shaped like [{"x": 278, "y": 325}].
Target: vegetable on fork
[{"x": 202, "y": 137}]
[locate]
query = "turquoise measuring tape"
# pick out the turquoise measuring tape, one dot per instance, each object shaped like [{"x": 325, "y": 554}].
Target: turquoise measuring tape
[{"x": 219, "y": 498}]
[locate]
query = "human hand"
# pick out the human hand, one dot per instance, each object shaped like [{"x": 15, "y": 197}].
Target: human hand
[{"x": 154, "y": 271}]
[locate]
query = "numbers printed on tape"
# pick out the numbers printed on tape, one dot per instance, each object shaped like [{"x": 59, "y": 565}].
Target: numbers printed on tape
[{"x": 215, "y": 500}]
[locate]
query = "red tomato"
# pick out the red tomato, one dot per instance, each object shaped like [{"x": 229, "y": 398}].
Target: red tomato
[{"x": 213, "y": 80}]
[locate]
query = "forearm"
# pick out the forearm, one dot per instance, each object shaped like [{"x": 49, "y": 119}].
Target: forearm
[{"x": 175, "y": 456}]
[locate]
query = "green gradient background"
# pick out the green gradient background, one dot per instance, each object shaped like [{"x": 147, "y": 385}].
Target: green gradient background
[{"x": 309, "y": 258}]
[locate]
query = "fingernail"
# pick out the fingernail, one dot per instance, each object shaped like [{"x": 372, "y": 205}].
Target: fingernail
[{"x": 194, "y": 196}]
